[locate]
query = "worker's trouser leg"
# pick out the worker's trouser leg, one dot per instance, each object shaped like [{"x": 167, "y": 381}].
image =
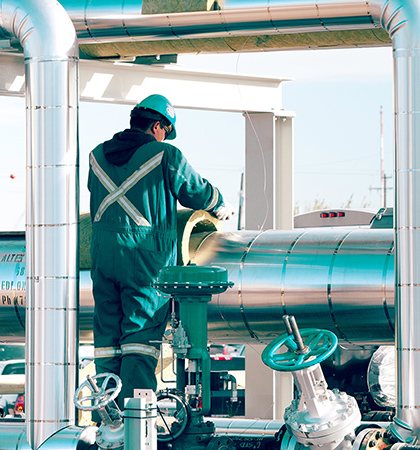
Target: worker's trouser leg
[
  {"x": 140, "y": 355},
  {"x": 130, "y": 315},
  {"x": 107, "y": 320},
  {"x": 137, "y": 372}
]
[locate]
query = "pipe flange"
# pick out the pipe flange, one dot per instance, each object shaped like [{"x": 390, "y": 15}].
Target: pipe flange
[
  {"x": 330, "y": 428},
  {"x": 110, "y": 438},
  {"x": 221, "y": 443},
  {"x": 375, "y": 439}
]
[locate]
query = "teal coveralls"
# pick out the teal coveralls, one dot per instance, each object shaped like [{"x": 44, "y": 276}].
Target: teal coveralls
[{"x": 134, "y": 232}]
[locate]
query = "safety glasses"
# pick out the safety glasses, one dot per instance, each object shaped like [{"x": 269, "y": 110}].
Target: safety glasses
[{"x": 167, "y": 129}]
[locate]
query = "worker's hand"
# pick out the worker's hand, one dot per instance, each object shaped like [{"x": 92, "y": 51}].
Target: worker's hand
[{"x": 225, "y": 212}]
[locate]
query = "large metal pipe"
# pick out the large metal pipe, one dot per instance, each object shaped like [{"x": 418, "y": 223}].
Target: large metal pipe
[
  {"x": 341, "y": 280},
  {"x": 71, "y": 438},
  {"x": 51, "y": 58},
  {"x": 402, "y": 21},
  {"x": 133, "y": 28},
  {"x": 100, "y": 22}
]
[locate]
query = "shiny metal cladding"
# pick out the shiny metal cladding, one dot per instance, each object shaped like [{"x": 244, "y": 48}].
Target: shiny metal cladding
[{"x": 341, "y": 280}]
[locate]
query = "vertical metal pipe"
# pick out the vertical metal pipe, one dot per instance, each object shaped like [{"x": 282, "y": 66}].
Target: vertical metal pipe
[
  {"x": 51, "y": 59},
  {"x": 401, "y": 19},
  {"x": 383, "y": 181}
]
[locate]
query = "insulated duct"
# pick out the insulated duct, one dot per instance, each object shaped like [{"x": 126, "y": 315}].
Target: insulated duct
[
  {"x": 341, "y": 280},
  {"x": 124, "y": 21},
  {"x": 132, "y": 28},
  {"x": 51, "y": 58}
]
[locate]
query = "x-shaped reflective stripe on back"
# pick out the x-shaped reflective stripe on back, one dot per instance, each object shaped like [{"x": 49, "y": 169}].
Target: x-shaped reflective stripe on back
[{"x": 117, "y": 193}]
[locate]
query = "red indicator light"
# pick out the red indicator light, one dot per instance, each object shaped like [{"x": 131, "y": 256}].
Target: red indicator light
[
  {"x": 222, "y": 358},
  {"x": 323, "y": 215},
  {"x": 333, "y": 214},
  {"x": 341, "y": 214}
]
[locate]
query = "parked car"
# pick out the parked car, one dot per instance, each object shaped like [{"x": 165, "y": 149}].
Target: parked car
[
  {"x": 19, "y": 409},
  {"x": 8, "y": 402},
  {"x": 14, "y": 404}
]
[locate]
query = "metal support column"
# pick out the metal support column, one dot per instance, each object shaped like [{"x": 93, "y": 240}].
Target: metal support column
[
  {"x": 259, "y": 170},
  {"x": 258, "y": 385},
  {"x": 269, "y": 171},
  {"x": 268, "y": 204},
  {"x": 283, "y": 173}
]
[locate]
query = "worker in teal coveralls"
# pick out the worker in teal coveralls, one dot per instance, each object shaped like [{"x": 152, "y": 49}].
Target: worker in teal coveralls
[{"x": 135, "y": 181}]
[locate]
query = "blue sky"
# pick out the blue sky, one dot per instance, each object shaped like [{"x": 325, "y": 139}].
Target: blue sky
[{"x": 336, "y": 94}]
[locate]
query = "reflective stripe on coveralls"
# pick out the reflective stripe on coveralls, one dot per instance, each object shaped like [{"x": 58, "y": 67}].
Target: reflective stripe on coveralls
[
  {"x": 214, "y": 200},
  {"x": 107, "y": 352},
  {"x": 134, "y": 348},
  {"x": 126, "y": 349},
  {"x": 117, "y": 194}
]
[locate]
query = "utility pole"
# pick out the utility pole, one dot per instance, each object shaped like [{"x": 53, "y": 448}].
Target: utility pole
[{"x": 383, "y": 185}]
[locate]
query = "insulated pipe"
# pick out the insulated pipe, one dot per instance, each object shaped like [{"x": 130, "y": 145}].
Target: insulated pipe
[
  {"x": 71, "y": 438},
  {"x": 247, "y": 426},
  {"x": 51, "y": 58},
  {"x": 336, "y": 279},
  {"x": 402, "y": 21},
  {"x": 123, "y": 21}
]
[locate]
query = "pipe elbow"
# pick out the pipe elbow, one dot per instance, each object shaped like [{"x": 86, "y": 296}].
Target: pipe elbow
[
  {"x": 42, "y": 28},
  {"x": 400, "y": 19}
]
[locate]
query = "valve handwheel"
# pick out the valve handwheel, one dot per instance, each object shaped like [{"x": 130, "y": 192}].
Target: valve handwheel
[
  {"x": 319, "y": 345},
  {"x": 100, "y": 396},
  {"x": 174, "y": 415}
]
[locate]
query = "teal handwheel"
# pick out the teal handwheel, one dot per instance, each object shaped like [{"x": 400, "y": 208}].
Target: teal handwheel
[{"x": 284, "y": 355}]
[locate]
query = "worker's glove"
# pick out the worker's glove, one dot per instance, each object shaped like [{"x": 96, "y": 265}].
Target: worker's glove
[{"x": 225, "y": 212}]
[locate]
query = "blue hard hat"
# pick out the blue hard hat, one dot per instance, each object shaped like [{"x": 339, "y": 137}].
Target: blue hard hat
[{"x": 157, "y": 104}]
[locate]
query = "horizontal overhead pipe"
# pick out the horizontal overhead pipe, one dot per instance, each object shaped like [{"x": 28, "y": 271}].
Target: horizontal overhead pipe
[
  {"x": 124, "y": 21},
  {"x": 153, "y": 28}
]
